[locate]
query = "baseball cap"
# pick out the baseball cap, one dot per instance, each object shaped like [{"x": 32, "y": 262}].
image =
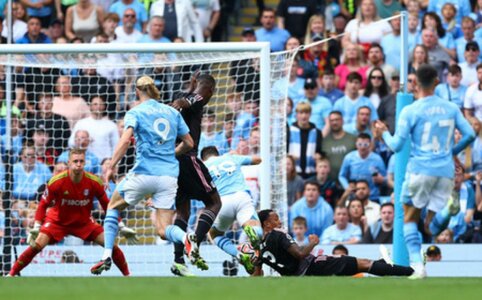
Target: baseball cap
[
  {"x": 433, "y": 251},
  {"x": 316, "y": 37},
  {"x": 472, "y": 45},
  {"x": 310, "y": 83},
  {"x": 247, "y": 30},
  {"x": 56, "y": 22}
]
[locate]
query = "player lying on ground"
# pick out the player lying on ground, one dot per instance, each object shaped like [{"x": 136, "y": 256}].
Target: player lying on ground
[
  {"x": 155, "y": 127},
  {"x": 194, "y": 180},
  {"x": 429, "y": 125},
  {"x": 280, "y": 252},
  {"x": 237, "y": 204},
  {"x": 70, "y": 196}
]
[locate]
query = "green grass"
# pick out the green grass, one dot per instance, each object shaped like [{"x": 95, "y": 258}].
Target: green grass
[{"x": 305, "y": 288}]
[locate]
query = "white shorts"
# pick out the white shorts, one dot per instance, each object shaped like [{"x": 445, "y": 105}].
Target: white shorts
[
  {"x": 235, "y": 207},
  {"x": 428, "y": 191},
  {"x": 135, "y": 187}
]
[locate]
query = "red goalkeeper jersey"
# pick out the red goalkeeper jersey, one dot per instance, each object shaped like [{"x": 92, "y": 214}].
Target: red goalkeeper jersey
[{"x": 70, "y": 203}]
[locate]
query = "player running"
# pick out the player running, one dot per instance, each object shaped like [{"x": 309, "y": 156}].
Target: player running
[
  {"x": 194, "y": 179},
  {"x": 429, "y": 123},
  {"x": 237, "y": 203},
  {"x": 70, "y": 196},
  {"x": 155, "y": 127},
  {"x": 280, "y": 251}
]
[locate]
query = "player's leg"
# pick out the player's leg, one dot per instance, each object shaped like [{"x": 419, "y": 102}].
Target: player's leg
[
  {"x": 248, "y": 218},
  {"x": 111, "y": 222},
  {"x": 117, "y": 254},
  {"x": 26, "y": 257},
  {"x": 443, "y": 206},
  {"x": 183, "y": 207},
  {"x": 382, "y": 268}
]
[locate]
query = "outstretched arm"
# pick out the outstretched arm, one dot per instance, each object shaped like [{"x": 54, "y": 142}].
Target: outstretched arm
[
  {"x": 395, "y": 143},
  {"x": 300, "y": 253}
]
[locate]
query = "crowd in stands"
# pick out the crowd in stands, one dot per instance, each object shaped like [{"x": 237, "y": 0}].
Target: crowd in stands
[{"x": 340, "y": 174}]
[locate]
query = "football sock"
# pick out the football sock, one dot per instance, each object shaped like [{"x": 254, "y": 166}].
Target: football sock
[
  {"x": 440, "y": 221},
  {"x": 23, "y": 260},
  {"x": 120, "y": 261},
  {"x": 175, "y": 234},
  {"x": 413, "y": 241},
  {"x": 206, "y": 220},
  {"x": 381, "y": 268},
  {"x": 179, "y": 247},
  {"x": 111, "y": 227},
  {"x": 226, "y": 245}
]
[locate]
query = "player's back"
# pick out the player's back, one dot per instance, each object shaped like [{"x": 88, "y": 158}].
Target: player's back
[
  {"x": 274, "y": 253},
  {"x": 156, "y": 127},
  {"x": 226, "y": 173},
  {"x": 432, "y": 122}
]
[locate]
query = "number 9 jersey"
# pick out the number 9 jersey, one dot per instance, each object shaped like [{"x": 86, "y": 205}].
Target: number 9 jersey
[{"x": 156, "y": 127}]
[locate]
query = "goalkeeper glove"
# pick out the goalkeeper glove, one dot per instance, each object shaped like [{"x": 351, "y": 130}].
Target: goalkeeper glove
[
  {"x": 128, "y": 233},
  {"x": 33, "y": 234}
]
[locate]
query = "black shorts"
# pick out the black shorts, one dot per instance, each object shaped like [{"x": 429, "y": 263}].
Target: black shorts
[
  {"x": 333, "y": 265},
  {"x": 194, "y": 181}
]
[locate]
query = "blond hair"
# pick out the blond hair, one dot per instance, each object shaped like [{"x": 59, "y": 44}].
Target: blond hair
[
  {"x": 303, "y": 107},
  {"x": 308, "y": 27},
  {"x": 76, "y": 151},
  {"x": 146, "y": 85}
]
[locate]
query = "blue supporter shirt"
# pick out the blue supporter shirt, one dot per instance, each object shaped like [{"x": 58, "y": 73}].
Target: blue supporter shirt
[
  {"x": 351, "y": 129},
  {"x": 354, "y": 168},
  {"x": 334, "y": 234},
  {"x": 429, "y": 123},
  {"x": 320, "y": 110},
  {"x": 17, "y": 145},
  {"x": 222, "y": 143},
  {"x": 391, "y": 47},
  {"x": 277, "y": 37},
  {"x": 445, "y": 91},
  {"x": 296, "y": 90},
  {"x": 141, "y": 14},
  {"x": 25, "y": 185},
  {"x": 44, "y": 11},
  {"x": 462, "y": 6},
  {"x": 156, "y": 128},
  {"x": 92, "y": 163},
  {"x": 42, "y": 39},
  {"x": 318, "y": 218},
  {"x": 332, "y": 95},
  {"x": 349, "y": 108},
  {"x": 226, "y": 173}
]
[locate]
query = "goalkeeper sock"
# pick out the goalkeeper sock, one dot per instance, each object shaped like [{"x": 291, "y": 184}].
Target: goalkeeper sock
[
  {"x": 175, "y": 234},
  {"x": 381, "y": 268},
  {"x": 179, "y": 247},
  {"x": 120, "y": 260},
  {"x": 23, "y": 260},
  {"x": 111, "y": 227},
  {"x": 226, "y": 245},
  {"x": 440, "y": 221},
  {"x": 413, "y": 241},
  {"x": 206, "y": 220}
]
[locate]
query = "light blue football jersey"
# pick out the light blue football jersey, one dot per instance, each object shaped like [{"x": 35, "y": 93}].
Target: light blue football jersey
[
  {"x": 156, "y": 127},
  {"x": 226, "y": 173},
  {"x": 430, "y": 123}
]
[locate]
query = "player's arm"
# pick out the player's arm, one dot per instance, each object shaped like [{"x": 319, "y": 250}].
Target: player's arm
[
  {"x": 468, "y": 133},
  {"x": 395, "y": 142},
  {"x": 185, "y": 145},
  {"x": 255, "y": 160},
  {"x": 300, "y": 253}
]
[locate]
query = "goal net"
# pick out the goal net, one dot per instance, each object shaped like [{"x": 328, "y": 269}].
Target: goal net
[{"x": 76, "y": 96}]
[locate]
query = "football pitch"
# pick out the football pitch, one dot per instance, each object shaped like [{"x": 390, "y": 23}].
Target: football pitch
[{"x": 239, "y": 288}]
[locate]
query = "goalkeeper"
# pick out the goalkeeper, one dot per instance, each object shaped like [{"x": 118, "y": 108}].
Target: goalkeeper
[{"x": 70, "y": 196}]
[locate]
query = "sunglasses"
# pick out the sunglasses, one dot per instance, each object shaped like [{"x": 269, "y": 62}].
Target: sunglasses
[
  {"x": 473, "y": 49},
  {"x": 29, "y": 155},
  {"x": 363, "y": 145},
  {"x": 377, "y": 77},
  {"x": 129, "y": 16}
]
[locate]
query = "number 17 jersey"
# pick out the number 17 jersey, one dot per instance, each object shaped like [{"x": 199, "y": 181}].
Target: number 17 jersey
[{"x": 156, "y": 127}]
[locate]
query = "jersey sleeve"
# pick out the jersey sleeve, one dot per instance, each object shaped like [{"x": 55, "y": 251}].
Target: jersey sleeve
[
  {"x": 45, "y": 201},
  {"x": 285, "y": 240},
  {"x": 130, "y": 120},
  {"x": 243, "y": 160},
  {"x": 101, "y": 195},
  {"x": 182, "y": 128},
  {"x": 396, "y": 142}
]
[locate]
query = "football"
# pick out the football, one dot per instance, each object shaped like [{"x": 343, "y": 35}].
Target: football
[{"x": 246, "y": 248}]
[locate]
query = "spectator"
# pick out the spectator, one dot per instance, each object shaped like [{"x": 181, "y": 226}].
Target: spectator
[
  {"x": 353, "y": 62},
  {"x": 208, "y": 129},
  {"x": 381, "y": 232},
  {"x": 181, "y": 20},
  {"x": 329, "y": 190},
  {"x": 433, "y": 253},
  {"x": 468, "y": 28},
  {"x": 371, "y": 208},
  {"x": 388, "y": 8},
  {"x": 56, "y": 126},
  {"x": 316, "y": 59},
  {"x": 328, "y": 87},
  {"x": 102, "y": 131},
  {"x": 337, "y": 144},
  {"x": 127, "y": 33},
  {"x": 452, "y": 90},
  {"x": 445, "y": 237},
  {"x": 42, "y": 9},
  {"x": 362, "y": 123},
  {"x": 65, "y": 104},
  {"x": 339, "y": 24},
  {"x": 462, "y": 6},
  {"x": 82, "y": 140},
  {"x": 363, "y": 164},
  {"x": 245, "y": 121},
  {"x": 83, "y": 20},
  {"x": 277, "y": 37},
  {"x": 473, "y": 98},
  {"x": 43, "y": 153},
  {"x": 361, "y": 29},
  {"x": 342, "y": 232},
  {"x": 437, "y": 56},
  {"x": 356, "y": 215},
  {"x": 469, "y": 67},
  {"x": 392, "y": 43},
  {"x": 293, "y": 81},
  {"x": 330, "y": 48},
  {"x": 318, "y": 213},
  {"x": 16, "y": 133},
  {"x": 295, "y": 182},
  {"x": 208, "y": 13},
  {"x": 448, "y": 20},
  {"x": 224, "y": 138},
  {"x": 446, "y": 41},
  {"x": 292, "y": 43},
  {"x": 339, "y": 250},
  {"x": 349, "y": 104},
  {"x": 56, "y": 30},
  {"x": 34, "y": 34},
  {"x": 120, "y": 7},
  {"x": 320, "y": 106},
  {"x": 471, "y": 157},
  {"x": 419, "y": 57},
  {"x": 18, "y": 21},
  {"x": 304, "y": 141},
  {"x": 294, "y": 16},
  {"x": 61, "y": 7},
  {"x": 299, "y": 231},
  {"x": 28, "y": 175},
  {"x": 413, "y": 31},
  {"x": 109, "y": 25},
  {"x": 376, "y": 58},
  {"x": 254, "y": 141},
  {"x": 377, "y": 87}
]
